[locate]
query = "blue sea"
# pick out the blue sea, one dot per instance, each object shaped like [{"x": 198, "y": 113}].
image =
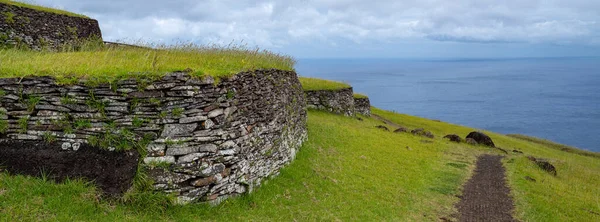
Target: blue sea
[{"x": 553, "y": 98}]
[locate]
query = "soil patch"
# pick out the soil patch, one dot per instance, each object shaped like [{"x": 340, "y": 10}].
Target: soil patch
[
  {"x": 112, "y": 172},
  {"x": 486, "y": 195}
]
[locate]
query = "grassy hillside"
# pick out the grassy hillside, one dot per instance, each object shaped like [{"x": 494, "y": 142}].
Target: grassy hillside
[
  {"x": 571, "y": 196},
  {"x": 41, "y": 8},
  {"x": 347, "y": 170}
]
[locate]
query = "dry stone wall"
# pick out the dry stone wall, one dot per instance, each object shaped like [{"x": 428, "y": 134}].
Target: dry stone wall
[
  {"x": 199, "y": 140},
  {"x": 336, "y": 101},
  {"x": 20, "y": 26},
  {"x": 362, "y": 106}
]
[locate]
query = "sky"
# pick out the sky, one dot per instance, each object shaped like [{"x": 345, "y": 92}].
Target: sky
[{"x": 358, "y": 28}]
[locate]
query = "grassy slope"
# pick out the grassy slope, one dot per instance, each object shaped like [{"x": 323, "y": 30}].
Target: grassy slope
[
  {"x": 568, "y": 197},
  {"x": 310, "y": 84},
  {"x": 41, "y": 8},
  {"x": 348, "y": 170},
  {"x": 106, "y": 64}
]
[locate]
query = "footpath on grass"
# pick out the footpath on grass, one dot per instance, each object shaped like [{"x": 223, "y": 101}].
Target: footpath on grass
[{"x": 486, "y": 195}]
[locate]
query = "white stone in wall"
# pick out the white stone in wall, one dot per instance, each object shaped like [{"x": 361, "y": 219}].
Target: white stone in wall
[{"x": 162, "y": 159}]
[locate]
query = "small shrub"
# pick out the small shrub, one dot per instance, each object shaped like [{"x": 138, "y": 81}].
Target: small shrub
[
  {"x": 163, "y": 114},
  {"x": 49, "y": 137},
  {"x": 3, "y": 126},
  {"x": 82, "y": 124},
  {"x": 230, "y": 94},
  {"x": 9, "y": 17},
  {"x": 23, "y": 124},
  {"x": 66, "y": 100},
  {"x": 139, "y": 122},
  {"x": 32, "y": 101},
  {"x": 177, "y": 112},
  {"x": 154, "y": 101}
]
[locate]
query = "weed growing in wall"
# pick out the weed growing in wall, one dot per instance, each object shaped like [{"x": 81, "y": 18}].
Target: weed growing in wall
[
  {"x": 23, "y": 124},
  {"x": 9, "y": 17},
  {"x": 3, "y": 126}
]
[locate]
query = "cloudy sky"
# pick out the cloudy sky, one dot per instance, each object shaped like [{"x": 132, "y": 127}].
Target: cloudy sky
[{"x": 359, "y": 28}]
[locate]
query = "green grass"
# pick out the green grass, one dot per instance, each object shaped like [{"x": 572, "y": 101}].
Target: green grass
[
  {"x": 359, "y": 96},
  {"x": 348, "y": 170},
  {"x": 313, "y": 84},
  {"x": 41, "y": 8},
  {"x": 102, "y": 64},
  {"x": 571, "y": 196},
  {"x": 554, "y": 145}
]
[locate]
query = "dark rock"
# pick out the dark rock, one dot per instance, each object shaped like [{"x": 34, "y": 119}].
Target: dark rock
[
  {"x": 471, "y": 141},
  {"x": 359, "y": 119},
  {"x": 382, "y": 127},
  {"x": 422, "y": 132},
  {"x": 401, "y": 130},
  {"x": 530, "y": 179},
  {"x": 481, "y": 138},
  {"x": 453, "y": 138},
  {"x": 517, "y": 151},
  {"x": 544, "y": 165}
]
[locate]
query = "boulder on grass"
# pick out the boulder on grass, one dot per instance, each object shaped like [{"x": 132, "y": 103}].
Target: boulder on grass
[
  {"x": 544, "y": 165},
  {"x": 453, "y": 138},
  {"x": 382, "y": 127},
  {"x": 401, "y": 130},
  {"x": 481, "y": 138},
  {"x": 471, "y": 141},
  {"x": 422, "y": 132}
]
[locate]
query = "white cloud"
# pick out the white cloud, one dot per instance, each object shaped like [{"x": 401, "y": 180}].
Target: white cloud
[{"x": 278, "y": 23}]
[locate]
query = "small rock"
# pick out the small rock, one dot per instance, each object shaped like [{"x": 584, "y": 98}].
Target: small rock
[
  {"x": 66, "y": 146},
  {"x": 76, "y": 146},
  {"x": 481, "y": 138},
  {"x": 174, "y": 130},
  {"x": 517, "y": 151},
  {"x": 162, "y": 159},
  {"x": 208, "y": 124},
  {"x": 204, "y": 181},
  {"x": 530, "y": 179},
  {"x": 215, "y": 113},
  {"x": 192, "y": 119},
  {"x": 471, "y": 141},
  {"x": 422, "y": 132},
  {"x": 453, "y": 138},
  {"x": 382, "y": 127},
  {"x": 208, "y": 148},
  {"x": 401, "y": 130},
  {"x": 191, "y": 157},
  {"x": 359, "y": 119}
]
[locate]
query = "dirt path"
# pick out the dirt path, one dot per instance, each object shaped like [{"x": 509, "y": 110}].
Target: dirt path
[{"x": 486, "y": 196}]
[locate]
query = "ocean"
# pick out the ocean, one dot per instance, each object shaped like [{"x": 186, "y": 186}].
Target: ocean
[{"x": 552, "y": 98}]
